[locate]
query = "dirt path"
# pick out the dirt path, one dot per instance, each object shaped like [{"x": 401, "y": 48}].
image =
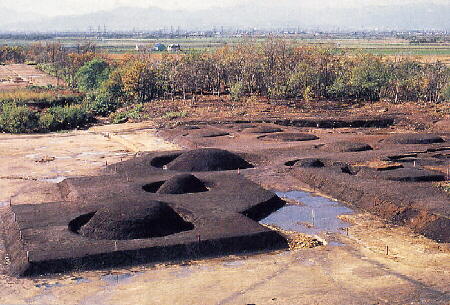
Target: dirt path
[{"x": 355, "y": 271}]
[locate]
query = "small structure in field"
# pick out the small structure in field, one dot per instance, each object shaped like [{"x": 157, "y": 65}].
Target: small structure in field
[
  {"x": 174, "y": 47},
  {"x": 159, "y": 47}
]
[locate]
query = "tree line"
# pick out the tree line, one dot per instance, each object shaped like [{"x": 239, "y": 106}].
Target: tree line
[{"x": 275, "y": 68}]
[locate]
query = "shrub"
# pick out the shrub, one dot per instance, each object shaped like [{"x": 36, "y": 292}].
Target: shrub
[
  {"x": 17, "y": 119},
  {"x": 237, "y": 91},
  {"x": 92, "y": 74},
  {"x": 101, "y": 104},
  {"x": 362, "y": 79},
  {"x": 133, "y": 114},
  {"x": 174, "y": 115},
  {"x": 40, "y": 97},
  {"x": 66, "y": 117},
  {"x": 446, "y": 93}
]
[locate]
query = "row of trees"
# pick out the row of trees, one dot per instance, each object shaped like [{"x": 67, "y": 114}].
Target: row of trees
[
  {"x": 275, "y": 68},
  {"x": 278, "y": 70},
  {"x": 12, "y": 54}
]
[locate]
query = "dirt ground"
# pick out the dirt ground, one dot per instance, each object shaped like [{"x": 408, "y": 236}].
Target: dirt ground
[
  {"x": 17, "y": 76},
  {"x": 374, "y": 264}
]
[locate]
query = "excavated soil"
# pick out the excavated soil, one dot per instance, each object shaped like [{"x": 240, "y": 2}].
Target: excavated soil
[
  {"x": 389, "y": 175},
  {"x": 374, "y": 262},
  {"x": 208, "y": 159}
]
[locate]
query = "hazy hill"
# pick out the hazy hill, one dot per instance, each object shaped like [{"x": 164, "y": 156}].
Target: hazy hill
[
  {"x": 396, "y": 17},
  {"x": 9, "y": 16}
]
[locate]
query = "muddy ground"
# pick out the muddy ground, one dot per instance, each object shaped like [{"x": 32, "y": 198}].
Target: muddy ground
[{"x": 375, "y": 263}]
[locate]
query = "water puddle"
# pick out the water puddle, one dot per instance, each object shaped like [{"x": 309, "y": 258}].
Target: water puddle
[
  {"x": 4, "y": 204},
  {"x": 233, "y": 264},
  {"x": 49, "y": 285},
  {"x": 116, "y": 278},
  {"x": 33, "y": 156},
  {"x": 64, "y": 158},
  {"x": 92, "y": 153},
  {"x": 316, "y": 214},
  {"x": 184, "y": 272},
  {"x": 80, "y": 280},
  {"x": 55, "y": 179}
]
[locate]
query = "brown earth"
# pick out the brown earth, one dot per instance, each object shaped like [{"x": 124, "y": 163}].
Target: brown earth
[
  {"x": 377, "y": 263},
  {"x": 16, "y": 76}
]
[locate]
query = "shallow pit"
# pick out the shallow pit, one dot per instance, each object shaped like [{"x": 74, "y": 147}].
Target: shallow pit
[
  {"x": 263, "y": 129},
  {"x": 307, "y": 163},
  {"x": 346, "y": 146},
  {"x": 288, "y": 137},
  {"x": 413, "y": 138}
]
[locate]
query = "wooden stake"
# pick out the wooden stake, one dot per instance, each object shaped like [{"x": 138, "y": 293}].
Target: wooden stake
[{"x": 387, "y": 250}]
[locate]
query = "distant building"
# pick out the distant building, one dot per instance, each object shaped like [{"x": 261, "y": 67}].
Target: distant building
[
  {"x": 175, "y": 47},
  {"x": 159, "y": 47}
]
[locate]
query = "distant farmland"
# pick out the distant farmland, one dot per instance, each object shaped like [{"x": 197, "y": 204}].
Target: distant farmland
[{"x": 426, "y": 52}]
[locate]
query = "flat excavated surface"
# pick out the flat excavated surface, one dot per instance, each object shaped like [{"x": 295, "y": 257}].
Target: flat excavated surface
[
  {"x": 110, "y": 213},
  {"x": 336, "y": 162},
  {"x": 28, "y": 75},
  {"x": 415, "y": 271}
]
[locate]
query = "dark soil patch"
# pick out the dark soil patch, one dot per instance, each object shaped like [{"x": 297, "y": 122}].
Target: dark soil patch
[
  {"x": 376, "y": 122},
  {"x": 192, "y": 127},
  {"x": 160, "y": 161},
  {"x": 288, "y": 137},
  {"x": 153, "y": 187},
  {"x": 401, "y": 156},
  {"x": 208, "y": 159},
  {"x": 309, "y": 162},
  {"x": 134, "y": 221},
  {"x": 347, "y": 146},
  {"x": 402, "y": 174},
  {"x": 413, "y": 138},
  {"x": 209, "y": 133},
  {"x": 263, "y": 129}
]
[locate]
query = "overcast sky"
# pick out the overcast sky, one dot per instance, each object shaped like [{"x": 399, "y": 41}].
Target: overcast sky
[{"x": 64, "y": 7}]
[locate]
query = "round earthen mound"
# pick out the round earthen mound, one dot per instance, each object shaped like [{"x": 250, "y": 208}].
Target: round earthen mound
[
  {"x": 182, "y": 184},
  {"x": 347, "y": 146},
  {"x": 402, "y": 174},
  {"x": 208, "y": 159},
  {"x": 135, "y": 221},
  {"x": 414, "y": 138},
  {"x": 263, "y": 129},
  {"x": 289, "y": 137}
]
